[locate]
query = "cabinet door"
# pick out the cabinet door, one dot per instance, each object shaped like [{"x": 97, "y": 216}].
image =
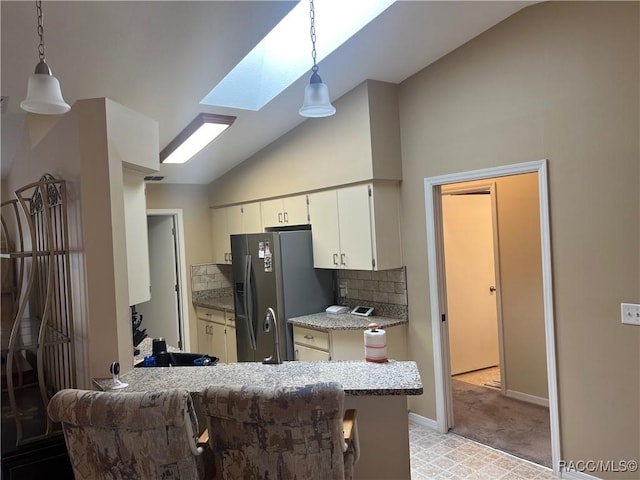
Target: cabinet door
[
  {"x": 272, "y": 213},
  {"x": 323, "y": 210},
  {"x": 135, "y": 217},
  {"x": 347, "y": 345},
  {"x": 251, "y": 218},
  {"x": 232, "y": 348},
  {"x": 296, "y": 210},
  {"x": 221, "y": 247},
  {"x": 204, "y": 337},
  {"x": 385, "y": 212},
  {"x": 354, "y": 219},
  {"x": 234, "y": 221},
  {"x": 308, "y": 354},
  {"x": 218, "y": 342}
]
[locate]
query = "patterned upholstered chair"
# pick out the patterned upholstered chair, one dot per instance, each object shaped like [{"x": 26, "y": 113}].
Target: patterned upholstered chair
[
  {"x": 121, "y": 435},
  {"x": 281, "y": 433}
]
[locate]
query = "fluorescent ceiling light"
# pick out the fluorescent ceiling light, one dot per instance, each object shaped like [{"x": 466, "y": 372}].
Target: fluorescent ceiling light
[
  {"x": 282, "y": 57},
  {"x": 197, "y": 135}
]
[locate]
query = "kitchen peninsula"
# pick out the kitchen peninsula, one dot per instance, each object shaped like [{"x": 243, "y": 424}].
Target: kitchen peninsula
[{"x": 377, "y": 390}]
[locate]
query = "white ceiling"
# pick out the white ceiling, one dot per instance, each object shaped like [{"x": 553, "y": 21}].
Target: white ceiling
[{"x": 161, "y": 58}]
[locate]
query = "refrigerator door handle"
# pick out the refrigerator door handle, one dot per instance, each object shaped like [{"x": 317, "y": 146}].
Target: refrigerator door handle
[{"x": 248, "y": 302}]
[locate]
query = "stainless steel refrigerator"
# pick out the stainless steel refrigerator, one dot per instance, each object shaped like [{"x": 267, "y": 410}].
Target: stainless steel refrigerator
[{"x": 275, "y": 269}]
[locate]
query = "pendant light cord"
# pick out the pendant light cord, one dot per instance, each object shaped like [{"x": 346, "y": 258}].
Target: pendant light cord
[
  {"x": 312, "y": 14},
  {"x": 40, "y": 30}
]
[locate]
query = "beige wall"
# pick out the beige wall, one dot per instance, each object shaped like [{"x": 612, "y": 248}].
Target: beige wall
[
  {"x": 192, "y": 199},
  {"x": 320, "y": 154},
  {"x": 557, "y": 81}
]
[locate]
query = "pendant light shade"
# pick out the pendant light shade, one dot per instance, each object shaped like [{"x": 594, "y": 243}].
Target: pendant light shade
[
  {"x": 43, "y": 89},
  {"x": 43, "y": 93},
  {"x": 316, "y": 99},
  {"x": 316, "y": 95}
]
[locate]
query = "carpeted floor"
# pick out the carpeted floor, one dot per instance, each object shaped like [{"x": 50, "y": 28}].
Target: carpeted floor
[{"x": 516, "y": 427}]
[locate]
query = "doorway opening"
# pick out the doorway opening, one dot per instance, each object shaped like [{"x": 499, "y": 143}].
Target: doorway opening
[
  {"x": 166, "y": 314},
  {"x": 499, "y": 338},
  {"x": 472, "y": 268}
]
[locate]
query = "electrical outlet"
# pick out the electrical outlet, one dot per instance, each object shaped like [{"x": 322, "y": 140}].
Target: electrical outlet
[
  {"x": 630, "y": 313},
  {"x": 343, "y": 288}
]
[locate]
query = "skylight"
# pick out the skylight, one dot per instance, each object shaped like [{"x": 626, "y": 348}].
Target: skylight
[{"x": 284, "y": 54}]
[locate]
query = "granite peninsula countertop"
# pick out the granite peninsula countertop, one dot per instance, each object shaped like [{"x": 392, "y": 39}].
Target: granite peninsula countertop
[
  {"x": 358, "y": 378},
  {"x": 343, "y": 321}
]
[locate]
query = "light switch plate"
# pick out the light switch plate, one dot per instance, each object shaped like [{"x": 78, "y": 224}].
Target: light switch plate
[{"x": 630, "y": 313}]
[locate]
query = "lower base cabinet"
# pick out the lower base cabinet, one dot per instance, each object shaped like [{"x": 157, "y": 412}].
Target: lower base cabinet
[
  {"x": 312, "y": 345},
  {"x": 217, "y": 334}
]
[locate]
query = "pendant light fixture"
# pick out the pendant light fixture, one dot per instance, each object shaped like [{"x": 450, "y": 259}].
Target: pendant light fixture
[
  {"x": 43, "y": 90},
  {"x": 316, "y": 94}
]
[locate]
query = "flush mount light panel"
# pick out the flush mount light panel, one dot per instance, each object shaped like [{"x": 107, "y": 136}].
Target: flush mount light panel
[
  {"x": 197, "y": 135},
  {"x": 282, "y": 56}
]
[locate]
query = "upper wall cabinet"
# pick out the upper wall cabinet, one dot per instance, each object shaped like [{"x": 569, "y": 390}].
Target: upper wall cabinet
[
  {"x": 135, "y": 215},
  {"x": 356, "y": 227},
  {"x": 229, "y": 221},
  {"x": 282, "y": 212}
]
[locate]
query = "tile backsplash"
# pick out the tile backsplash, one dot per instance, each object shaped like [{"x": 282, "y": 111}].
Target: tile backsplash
[
  {"x": 210, "y": 276},
  {"x": 385, "y": 290}
]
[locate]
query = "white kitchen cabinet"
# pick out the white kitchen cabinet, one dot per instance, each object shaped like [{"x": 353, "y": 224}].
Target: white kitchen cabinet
[
  {"x": 211, "y": 339},
  {"x": 307, "y": 354},
  {"x": 317, "y": 345},
  {"x": 217, "y": 334},
  {"x": 281, "y": 212},
  {"x": 251, "y": 218},
  {"x": 356, "y": 227},
  {"x": 227, "y": 221},
  {"x": 135, "y": 215}
]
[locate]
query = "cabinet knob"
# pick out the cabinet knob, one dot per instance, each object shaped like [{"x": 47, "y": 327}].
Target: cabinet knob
[
  {"x": 343, "y": 259},
  {"x": 286, "y": 217},
  {"x": 309, "y": 337},
  {"x": 335, "y": 259}
]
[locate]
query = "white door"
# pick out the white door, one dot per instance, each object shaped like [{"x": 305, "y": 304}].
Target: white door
[
  {"x": 470, "y": 281},
  {"x": 161, "y": 315}
]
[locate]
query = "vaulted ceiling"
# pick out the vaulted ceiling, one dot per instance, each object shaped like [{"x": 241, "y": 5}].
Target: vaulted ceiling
[{"x": 161, "y": 58}]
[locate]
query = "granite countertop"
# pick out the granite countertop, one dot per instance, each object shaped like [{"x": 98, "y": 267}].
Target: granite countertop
[
  {"x": 358, "y": 378},
  {"x": 343, "y": 321},
  {"x": 221, "y": 303}
]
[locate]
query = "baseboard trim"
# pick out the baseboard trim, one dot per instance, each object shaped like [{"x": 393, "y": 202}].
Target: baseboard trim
[
  {"x": 424, "y": 421},
  {"x": 525, "y": 397}
]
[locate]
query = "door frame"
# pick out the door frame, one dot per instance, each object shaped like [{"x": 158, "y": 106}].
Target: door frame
[
  {"x": 437, "y": 292},
  {"x": 178, "y": 220},
  {"x": 489, "y": 187}
]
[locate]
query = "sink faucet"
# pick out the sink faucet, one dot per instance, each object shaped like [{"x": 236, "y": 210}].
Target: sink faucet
[{"x": 269, "y": 317}]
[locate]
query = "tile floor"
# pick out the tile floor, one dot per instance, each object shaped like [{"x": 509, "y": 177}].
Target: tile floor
[
  {"x": 483, "y": 378},
  {"x": 437, "y": 456}
]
